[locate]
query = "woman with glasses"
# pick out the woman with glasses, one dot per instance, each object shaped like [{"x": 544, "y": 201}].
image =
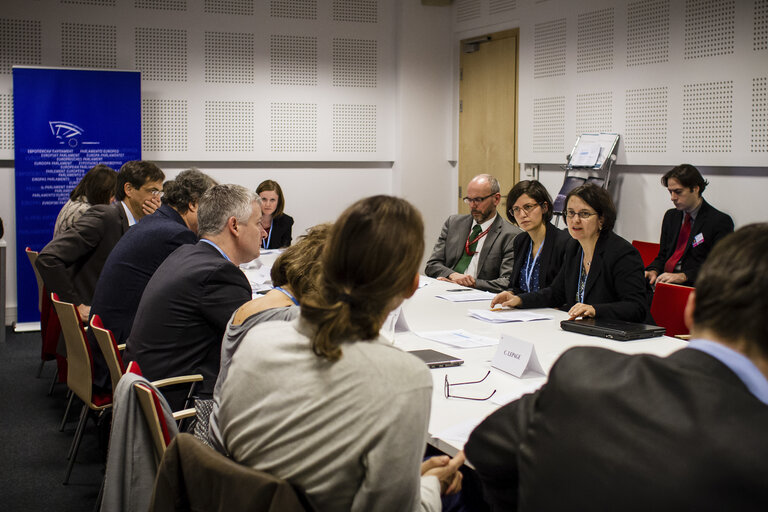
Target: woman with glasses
[
  {"x": 275, "y": 222},
  {"x": 538, "y": 252},
  {"x": 327, "y": 403},
  {"x": 602, "y": 275}
]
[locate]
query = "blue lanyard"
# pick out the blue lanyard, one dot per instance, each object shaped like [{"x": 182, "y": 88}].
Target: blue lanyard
[
  {"x": 265, "y": 242},
  {"x": 530, "y": 265},
  {"x": 579, "y": 290},
  {"x": 293, "y": 299},
  {"x": 216, "y": 247}
]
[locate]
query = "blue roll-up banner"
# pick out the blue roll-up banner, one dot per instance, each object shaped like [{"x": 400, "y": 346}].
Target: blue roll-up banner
[{"x": 65, "y": 122}]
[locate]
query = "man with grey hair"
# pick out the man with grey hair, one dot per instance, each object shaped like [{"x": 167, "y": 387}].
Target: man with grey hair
[
  {"x": 475, "y": 250},
  {"x": 185, "y": 307}
]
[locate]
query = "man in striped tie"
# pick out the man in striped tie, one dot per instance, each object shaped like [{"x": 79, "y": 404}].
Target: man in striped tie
[{"x": 689, "y": 230}]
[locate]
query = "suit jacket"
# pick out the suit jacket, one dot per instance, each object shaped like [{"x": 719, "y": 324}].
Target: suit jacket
[
  {"x": 611, "y": 431},
  {"x": 280, "y": 233},
  {"x": 710, "y": 223},
  {"x": 497, "y": 258},
  {"x": 71, "y": 263},
  {"x": 182, "y": 315},
  {"x": 616, "y": 286},
  {"x": 551, "y": 256},
  {"x": 126, "y": 273}
]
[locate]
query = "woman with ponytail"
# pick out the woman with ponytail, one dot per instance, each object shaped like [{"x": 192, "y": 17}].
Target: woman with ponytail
[{"x": 325, "y": 402}]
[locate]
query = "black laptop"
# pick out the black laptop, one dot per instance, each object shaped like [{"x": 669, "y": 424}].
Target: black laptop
[{"x": 612, "y": 329}]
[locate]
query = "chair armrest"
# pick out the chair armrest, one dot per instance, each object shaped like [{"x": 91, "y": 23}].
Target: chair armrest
[
  {"x": 121, "y": 347},
  {"x": 184, "y": 413},
  {"x": 181, "y": 379},
  {"x": 685, "y": 337}
]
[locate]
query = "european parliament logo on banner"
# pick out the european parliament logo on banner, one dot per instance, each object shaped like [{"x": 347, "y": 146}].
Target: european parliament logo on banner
[{"x": 65, "y": 122}]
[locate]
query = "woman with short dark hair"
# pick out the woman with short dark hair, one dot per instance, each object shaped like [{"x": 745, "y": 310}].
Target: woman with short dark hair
[
  {"x": 274, "y": 220},
  {"x": 539, "y": 251},
  {"x": 96, "y": 187},
  {"x": 602, "y": 274}
]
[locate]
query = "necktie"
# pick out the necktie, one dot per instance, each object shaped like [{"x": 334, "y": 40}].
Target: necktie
[
  {"x": 682, "y": 241},
  {"x": 463, "y": 263}
]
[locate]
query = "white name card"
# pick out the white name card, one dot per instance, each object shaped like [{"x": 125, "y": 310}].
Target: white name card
[{"x": 515, "y": 356}]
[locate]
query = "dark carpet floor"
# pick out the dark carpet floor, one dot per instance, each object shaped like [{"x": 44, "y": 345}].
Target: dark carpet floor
[{"x": 32, "y": 450}]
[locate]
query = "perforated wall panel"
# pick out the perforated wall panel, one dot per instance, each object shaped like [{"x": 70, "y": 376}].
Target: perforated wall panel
[
  {"x": 236, "y": 7},
  {"x": 549, "y": 48},
  {"x": 501, "y": 6},
  {"x": 229, "y": 126},
  {"x": 20, "y": 43},
  {"x": 293, "y": 127},
  {"x": 467, "y": 10},
  {"x": 759, "y": 131},
  {"x": 161, "y": 5},
  {"x": 709, "y": 27},
  {"x": 6, "y": 121},
  {"x": 88, "y": 46},
  {"x": 161, "y": 54},
  {"x": 354, "y": 128},
  {"x": 296, "y": 9},
  {"x": 229, "y": 57},
  {"x": 164, "y": 125},
  {"x": 100, "y": 3},
  {"x": 354, "y": 62},
  {"x": 594, "y": 112},
  {"x": 548, "y": 124},
  {"x": 646, "y": 120},
  {"x": 760, "y": 21},
  {"x": 647, "y": 32},
  {"x": 293, "y": 60},
  {"x": 360, "y": 11},
  {"x": 708, "y": 117},
  {"x": 595, "y": 41}
]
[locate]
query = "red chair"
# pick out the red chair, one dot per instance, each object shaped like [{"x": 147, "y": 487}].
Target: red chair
[
  {"x": 648, "y": 250},
  {"x": 668, "y": 306},
  {"x": 50, "y": 330}
]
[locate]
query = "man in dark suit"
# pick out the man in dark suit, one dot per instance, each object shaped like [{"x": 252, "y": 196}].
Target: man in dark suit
[
  {"x": 476, "y": 250},
  {"x": 611, "y": 431},
  {"x": 71, "y": 263},
  {"x": 185, "y": 307},
  {"x": 139, "y": 253},
  {"x": 689, "y": 231}
]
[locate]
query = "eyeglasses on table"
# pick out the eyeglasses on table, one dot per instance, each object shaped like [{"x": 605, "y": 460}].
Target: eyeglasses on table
[{"x": 447, "y": 388}]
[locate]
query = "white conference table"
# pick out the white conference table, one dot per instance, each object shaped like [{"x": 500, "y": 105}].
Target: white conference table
[{"x": 425, "y": 312}]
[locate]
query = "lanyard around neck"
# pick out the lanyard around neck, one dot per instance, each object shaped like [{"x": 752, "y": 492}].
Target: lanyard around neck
[
  {"x": 478, "y": 237},
  {"x": 530, "y": 265},
  {"x": 265, "y": 241},
  {"x": 293, "y": 299}
]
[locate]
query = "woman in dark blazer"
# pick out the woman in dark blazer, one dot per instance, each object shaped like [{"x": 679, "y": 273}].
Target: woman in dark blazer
[
  {"x": 277, "y": 224},
  {"x": 602, "y": 274},
  {"x": 539, "y": 251}
]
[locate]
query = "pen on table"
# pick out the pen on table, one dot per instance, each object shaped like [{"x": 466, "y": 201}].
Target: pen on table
[{"x": 459, "y": 290}]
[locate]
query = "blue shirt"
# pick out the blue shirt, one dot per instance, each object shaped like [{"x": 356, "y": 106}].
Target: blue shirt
[
  {"x": 739, "y": 364},
  {"x": 216, "y": 247}
]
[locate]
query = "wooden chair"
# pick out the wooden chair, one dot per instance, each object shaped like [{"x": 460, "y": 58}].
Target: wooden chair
[
  {"x": 50, "y": 330},
  {"x": 79, "y": 373},
  {"x": 648, "y": 251},
  {"x": 668, "y": 306}
]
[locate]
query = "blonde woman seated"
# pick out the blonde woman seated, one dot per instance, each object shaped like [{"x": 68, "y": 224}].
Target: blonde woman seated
[
  {"x": 294, "y": 274},
  {"x": 602, "y": 275},
  {"x": 327, "y": 403}
]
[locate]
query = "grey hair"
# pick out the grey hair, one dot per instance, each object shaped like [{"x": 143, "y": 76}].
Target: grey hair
[
  {"x": 221, "y": 202},
  {"x": 493, "y": 182}
]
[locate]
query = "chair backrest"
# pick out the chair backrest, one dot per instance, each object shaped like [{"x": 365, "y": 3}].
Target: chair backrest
[
  {"x": 648, "y": 250},
  {"x": 32, "y": 255},
  {"x": 79, "y": 361},
  {"x": 668, "y": 306},
  {"x": 153, "y": 413},
  {"x": 108, "y": 346}
]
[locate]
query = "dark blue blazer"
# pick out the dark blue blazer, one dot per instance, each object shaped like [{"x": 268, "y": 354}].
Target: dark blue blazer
[
  {"x": 183, "y": 313},
  {"x": 711, "y": 225},
  {"x": 551, "y": 256},
  {"x": 616, "y": 285},
  {"x": 280, "y": 234},
  {"x": 127, "y": 271}
]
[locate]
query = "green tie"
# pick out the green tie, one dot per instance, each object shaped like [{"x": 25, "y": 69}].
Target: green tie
[{"x": 463, "y": 263}]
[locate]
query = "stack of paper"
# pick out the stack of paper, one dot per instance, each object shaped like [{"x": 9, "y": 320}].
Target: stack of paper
[
  {"x": 466, "y": 296},
  {"x": 459, "y": 338},
  {"x": 506, "y": 315}
]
